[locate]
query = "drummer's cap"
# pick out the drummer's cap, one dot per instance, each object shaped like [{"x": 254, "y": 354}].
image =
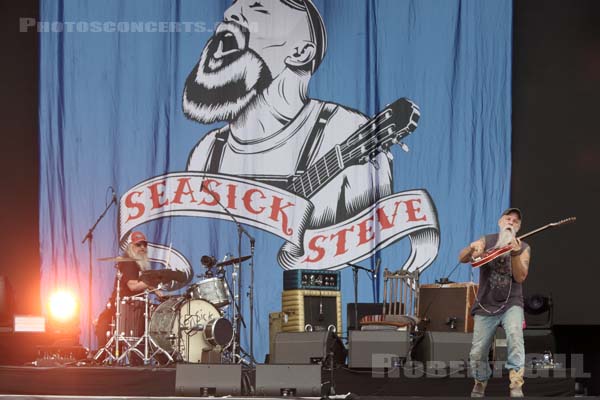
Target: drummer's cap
[
  {"x": 513, "y": 210},
  {"x": 137, "y": 237}
]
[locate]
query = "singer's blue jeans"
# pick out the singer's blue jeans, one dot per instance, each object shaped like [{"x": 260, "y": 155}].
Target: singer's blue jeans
[{"x": 483, "y": 333}]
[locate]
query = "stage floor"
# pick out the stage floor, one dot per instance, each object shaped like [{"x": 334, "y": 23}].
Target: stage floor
[{"x": 161, "y": 382}]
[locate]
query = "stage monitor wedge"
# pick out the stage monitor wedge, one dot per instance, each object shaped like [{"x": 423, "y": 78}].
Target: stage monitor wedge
[
  {"x": 308, "y": 348},
  {"x": 203, "y": 380},
  {"x": 288, "y": 380}
]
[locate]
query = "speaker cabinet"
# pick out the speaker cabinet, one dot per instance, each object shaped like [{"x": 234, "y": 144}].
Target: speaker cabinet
[
  {"x": 307, "y": 348},
  {"x": 444, "y": 346},
  {"x": 288, "y": 380},
  {"x": 448, "y": 306},
  {"x": 208, "y": 380},
  {"x": 367, "y": 346},
  {"x": 317, "y": 308},
  {"x": 275, "y": 325}
]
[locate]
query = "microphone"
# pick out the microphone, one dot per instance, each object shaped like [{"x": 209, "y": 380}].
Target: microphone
[
  {"x": 208, "y": 261},
  {"x": 377, "y": 265},
  {"x": 114, "y": 195}
]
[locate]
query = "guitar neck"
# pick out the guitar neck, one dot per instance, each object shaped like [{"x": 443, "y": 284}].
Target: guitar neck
[
  {"x": 535, "y": 231},
  {"x": 551, "y": 225}
]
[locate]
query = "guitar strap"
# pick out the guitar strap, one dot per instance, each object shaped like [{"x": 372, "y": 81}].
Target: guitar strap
[
  {"x": 311, "y": 144},
  {"x": 314, "y": 139},
  {"x": 216, "y": 154}
]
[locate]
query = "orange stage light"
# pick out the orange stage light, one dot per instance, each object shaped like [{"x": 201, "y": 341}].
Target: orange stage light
[{"x": 63, "y": 306}]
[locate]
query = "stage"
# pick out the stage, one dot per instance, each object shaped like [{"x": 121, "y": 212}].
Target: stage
[{"x": 161, "y": 382}]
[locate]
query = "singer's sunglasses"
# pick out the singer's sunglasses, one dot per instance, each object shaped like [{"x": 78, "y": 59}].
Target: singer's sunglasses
[{"x": 141, "y": 244}]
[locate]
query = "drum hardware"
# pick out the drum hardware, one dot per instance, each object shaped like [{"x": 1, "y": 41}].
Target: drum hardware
[
  {"x": 117, "y": 339},
  {"x": 146, "y": 339}
]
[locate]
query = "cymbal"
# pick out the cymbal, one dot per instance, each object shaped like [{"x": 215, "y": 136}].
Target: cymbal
[
  {"x": 154, "y": 277},
  {"x": 232, "y": 261},
  {"x": 116, "y": 259}
]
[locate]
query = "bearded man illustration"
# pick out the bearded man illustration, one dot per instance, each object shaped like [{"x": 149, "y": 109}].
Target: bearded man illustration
[{"x": 254, "y": 74}]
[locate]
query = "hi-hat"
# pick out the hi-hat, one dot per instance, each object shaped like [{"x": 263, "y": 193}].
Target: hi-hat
[
  {"x": 232, "y": 261},
  {"x": 116, "y": 259}
]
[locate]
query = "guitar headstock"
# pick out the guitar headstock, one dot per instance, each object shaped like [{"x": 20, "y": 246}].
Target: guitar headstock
[
  {"x": 564, "y": 221},
  {"x": 396, "y": 121}
]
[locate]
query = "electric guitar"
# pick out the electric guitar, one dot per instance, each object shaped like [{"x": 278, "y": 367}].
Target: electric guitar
[
  {"x": 496, "y": 252},
  {"x": 389, "y": 127}
]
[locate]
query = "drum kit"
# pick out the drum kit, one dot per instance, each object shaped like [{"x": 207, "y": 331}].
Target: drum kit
[{"x": 193, "y": 327}]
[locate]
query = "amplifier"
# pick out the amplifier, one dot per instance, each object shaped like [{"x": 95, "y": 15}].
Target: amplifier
[
  {"x": 311, "y": 279},
  {"x": 318, "y": 308},
  {"x": 448, "y": 306}
]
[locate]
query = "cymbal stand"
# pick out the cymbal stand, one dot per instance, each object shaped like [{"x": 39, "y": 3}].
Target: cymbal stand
[
  {"x": 149, "y": 343},
  {"x": 116, "y": 337}
]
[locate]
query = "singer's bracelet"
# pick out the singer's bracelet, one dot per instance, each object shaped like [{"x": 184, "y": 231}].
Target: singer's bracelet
[{"x": 518, "y": 253}]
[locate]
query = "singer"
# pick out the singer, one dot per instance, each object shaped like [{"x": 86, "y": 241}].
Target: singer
[{"x": 499, "y": 302}]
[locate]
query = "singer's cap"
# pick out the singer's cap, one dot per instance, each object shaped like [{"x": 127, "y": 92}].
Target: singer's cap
[
  {"x": 513, "y": 210},
  {"x": 137, "y": 237}
]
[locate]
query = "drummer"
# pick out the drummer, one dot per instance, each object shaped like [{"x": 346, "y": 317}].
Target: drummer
[
  {"x": 134, "y": 261},
  {"x": 137, "y": 250}
]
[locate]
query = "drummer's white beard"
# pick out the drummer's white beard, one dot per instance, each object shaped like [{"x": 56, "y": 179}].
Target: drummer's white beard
[
  {"x": 141, "y": 260},
  {"x": 505, "y": 236}
]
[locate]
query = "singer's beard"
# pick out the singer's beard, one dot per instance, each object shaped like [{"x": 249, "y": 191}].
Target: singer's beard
[{"x": 505, "y": 236}]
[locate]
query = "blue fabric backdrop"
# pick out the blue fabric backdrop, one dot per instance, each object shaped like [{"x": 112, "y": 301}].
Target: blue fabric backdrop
[{"x": 111, "y": 115}]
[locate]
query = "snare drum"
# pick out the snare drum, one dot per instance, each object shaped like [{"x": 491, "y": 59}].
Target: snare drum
[
  {"x": 214, "y": 290},
  {"x": 189, "y": 327}
]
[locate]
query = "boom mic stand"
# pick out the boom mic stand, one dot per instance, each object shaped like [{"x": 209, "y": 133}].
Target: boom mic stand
[
  {"x": 89, "y": 236},
  {"x": 242, "y": 231},
  {"x": 355, "y": 269}
]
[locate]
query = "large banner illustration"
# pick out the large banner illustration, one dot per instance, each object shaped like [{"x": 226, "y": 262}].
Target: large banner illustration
[{"x": 337, "y": 132}]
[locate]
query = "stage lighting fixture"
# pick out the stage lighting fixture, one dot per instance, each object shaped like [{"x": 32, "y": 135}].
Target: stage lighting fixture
[
  {"x": 63, "y": 308},
  {"x": 539, "y": 311},
  {"x": 537, "y": 304}
]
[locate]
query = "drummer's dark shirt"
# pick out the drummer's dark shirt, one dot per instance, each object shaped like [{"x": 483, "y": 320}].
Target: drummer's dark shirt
[{"x": 130, "y": 271}]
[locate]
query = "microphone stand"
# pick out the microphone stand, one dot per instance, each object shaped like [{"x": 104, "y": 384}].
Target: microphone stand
[
  {"x": 355, "y": 269},
  {"x": 242, "y": 231},
  {"x": 89, "y": 236}
]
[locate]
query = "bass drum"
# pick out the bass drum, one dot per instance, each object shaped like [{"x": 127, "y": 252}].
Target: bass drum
[{"x": 189, "y": 327}]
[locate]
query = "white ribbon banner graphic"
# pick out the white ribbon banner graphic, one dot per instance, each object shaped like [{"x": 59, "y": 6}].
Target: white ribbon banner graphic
[{"x": 284, "y": 214}]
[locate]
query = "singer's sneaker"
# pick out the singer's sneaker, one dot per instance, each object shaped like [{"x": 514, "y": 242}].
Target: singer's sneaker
[
  {"x": 479, "y": 388},
  {"x": 516, "y": 382}
]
